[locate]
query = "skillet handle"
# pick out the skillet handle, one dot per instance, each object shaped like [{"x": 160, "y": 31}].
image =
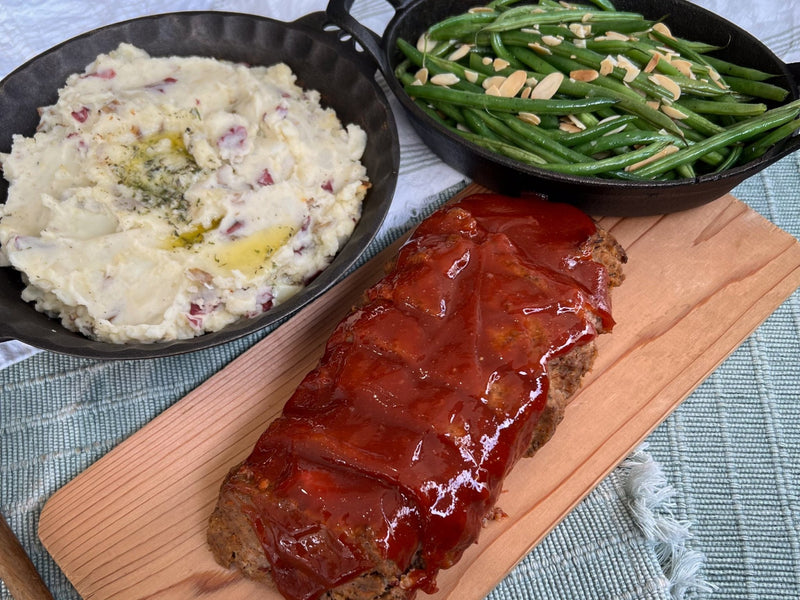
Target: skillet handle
[{"x": 338, "y": 11}]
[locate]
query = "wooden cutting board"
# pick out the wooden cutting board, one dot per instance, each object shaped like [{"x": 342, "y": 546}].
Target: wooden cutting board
[{"x": 698, "y": 282}]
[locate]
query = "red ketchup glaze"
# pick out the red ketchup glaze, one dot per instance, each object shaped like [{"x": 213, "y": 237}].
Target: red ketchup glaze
[{"x": 426, "y": 395}]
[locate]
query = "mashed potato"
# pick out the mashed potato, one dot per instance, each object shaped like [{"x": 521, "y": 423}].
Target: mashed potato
[{"x": 162, "y": 198}]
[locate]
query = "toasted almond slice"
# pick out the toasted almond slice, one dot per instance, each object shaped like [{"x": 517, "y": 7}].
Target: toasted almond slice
[
  {"x": 586, "y": 18},
  {"x": 421, "y": 75},
  {"x": 569, "y": 127},
  {"x": 493, "y": 90},
  {"x": 662, "y": 29},
  {"x": 650, "y": 67},
  {"x": 425, "y": 44},
  {"x": 580, "y": 30},
  {"x": 539, "y": 49},
  {"x": 668, "y": 84},
  {"x": 685, "y": 67},
  {"x": 673, "y": 112},
  {"x": 529, "y": 117},
  {"x": 548, "y": 86},
  {"x": 551, "y": 40},
  {"x": 445, "y": 79},
  {"x": 470, "y": 75},
  {"x": 526, "y": 92},
  {"x": 486, "y": 60},
  {"x": 534, "y": 29},
  {"x": 577, "y": 122},
  {"x": 531, "y": 81},
  {"x": 660, "y": 154},
  {"x": 607, "y": 65},
  {"x": 459, "y": 52},
  {"x": 613, "y": 35},
  {"x": 498, "y": 64},
  {"x": 579, "y": 43},
  {"x": 495, "y": 81},
  {"x": 584, "y": 75},
  {"x": 619, "y": 129},
  {"x": 654, "y": 104},
  {"x": 480, "y": 9},
  {"x": 631, "y": 70},
  {"x": 513, "y": 84}
]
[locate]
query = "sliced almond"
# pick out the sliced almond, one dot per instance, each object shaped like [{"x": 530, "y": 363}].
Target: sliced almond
[
  {"x": 539, "y": 49},
  {"x": 531, "y": 81},
  {"x": 513, "y": 84},
  {"x": 662, "y": 29},
  {"x": 673, "y": 112},
  {"x": 526, "y": 92},
  {"x": 654, "y": 104},
  {"x": 493, "y": 90},
  {"x": 486, "y": 60},
  {"x": 613, "y": 35},
  {"x": 584, "y": 75},
  {"x": 607, "y": 65},
  {"x": 668, "y": 84},
  {"x": 445, "y": 79},
  {"x": 631, "y": 70},
  {"x": 470, "y": 75},
  {"x": 685, "y": 67},
  {"x": 569, "y": 127},
  {"x": 498, "y": 64},
  {"x": 460, "y": 52},
  {"x": 529, "y": 117},
  {"x": 580, "y": 30},
  {"x": 577, "y": 122},
  {"x": 660, "y": 154},
  {"x": 421, "y": 75},
  {"x": 548, "y": 86},
  {"x": 425, "y": 44},
  {"x": 480, "y": 9},
  {"x": 650, "y": 67},
  {"x": 551, "y": 40},
  {"x": 495, "y": 81}
]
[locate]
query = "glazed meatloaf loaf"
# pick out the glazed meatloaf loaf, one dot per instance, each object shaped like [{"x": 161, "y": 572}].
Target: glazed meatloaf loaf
[{"x": 390, "y": 455}]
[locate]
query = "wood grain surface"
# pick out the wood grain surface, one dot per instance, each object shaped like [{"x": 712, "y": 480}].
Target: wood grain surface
[{"x": 697, "y": 283}]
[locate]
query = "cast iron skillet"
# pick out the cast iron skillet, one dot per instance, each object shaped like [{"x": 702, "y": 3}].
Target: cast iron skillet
[
  {"x": 344, "y": 77},
  {"x": 599, "y": 197}
]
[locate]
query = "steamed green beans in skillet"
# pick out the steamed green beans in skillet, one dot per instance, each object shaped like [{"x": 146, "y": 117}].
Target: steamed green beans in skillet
[{"x": 589, "y": 90}]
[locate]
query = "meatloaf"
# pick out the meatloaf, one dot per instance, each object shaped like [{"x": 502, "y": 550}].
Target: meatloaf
[{"x": 390, "y": 455}]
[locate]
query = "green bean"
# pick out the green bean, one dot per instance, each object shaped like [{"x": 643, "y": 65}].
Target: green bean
[
  {"x": 624, "y": 138},
  {"x": 461, "y": 25},
  {"x": 541, "y": 139},
  {"x": 508, "y": 127},
  {"x": 609, "y": 164},
  {"x": 764, "y": 143},
  {"x": 757, "y": 89},
  {"x": 523, "y": 17},
  {"x": 733, "y": 157},
  {"x": 503, "y": 148},
  {"x": 498, "y": 103},
  {"x": 723, "y": 67},
  {"x": 591, "y": 133},
  {"x": 604, "y": 4},
  {"x": 478, "y": 125},
  {"x": 737, "y": 133},
  {"x": 710, "y": 107}
]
